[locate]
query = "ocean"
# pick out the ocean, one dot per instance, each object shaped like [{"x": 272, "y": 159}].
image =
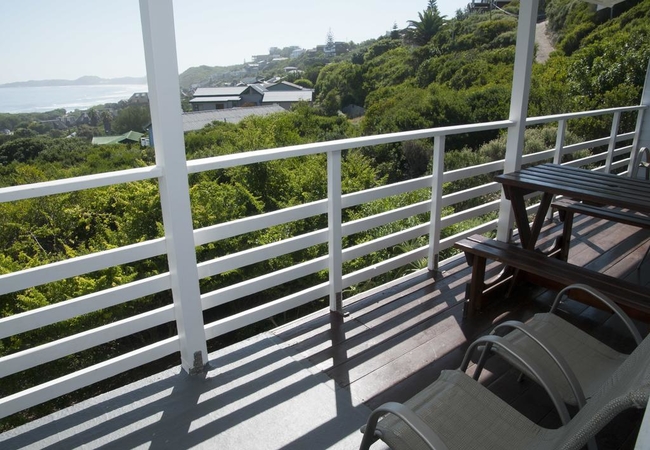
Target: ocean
[{"x": 47, "y": 98}]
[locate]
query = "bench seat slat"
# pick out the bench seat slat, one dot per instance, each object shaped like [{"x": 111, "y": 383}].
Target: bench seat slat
[{"x": 625, "y": 293}]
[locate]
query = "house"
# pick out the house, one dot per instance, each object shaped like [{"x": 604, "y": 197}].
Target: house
[
  {"x": 83, "y": 119},
  {"x": 486, "y": 5},
  {"x": 252, "y": 68},
  {"x": 259, "y": 58},
  {"x": 216, "y": 98},
  {"x": 130, "y": 137},
  {"x": 139, "y": 98},
  {"x": 341, "y": 47},
  {"x": 57, "y": 124},
  {"x": 285, "y": 86},
  {"x": 288, "y": 98},
  {"x": 254, "y": 94},
  {"x": 296, "y": 53},
  {"x": 333, "y": 49}
]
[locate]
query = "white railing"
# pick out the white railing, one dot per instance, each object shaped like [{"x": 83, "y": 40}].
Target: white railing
[{"x": 614, "y": 158}]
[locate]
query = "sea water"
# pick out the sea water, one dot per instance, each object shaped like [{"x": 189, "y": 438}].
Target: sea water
[{"x": 47, "y": 98}]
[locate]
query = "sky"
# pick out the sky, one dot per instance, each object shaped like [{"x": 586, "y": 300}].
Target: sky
[{"x": 67, "y": 39}]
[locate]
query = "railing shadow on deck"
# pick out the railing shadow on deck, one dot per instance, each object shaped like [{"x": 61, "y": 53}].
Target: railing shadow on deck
[{"x": 251, "y": 384}]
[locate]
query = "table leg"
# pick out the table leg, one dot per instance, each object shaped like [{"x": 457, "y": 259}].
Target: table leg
[
  {"x": 540, "y": 217},
  {"x": 528, "y": 235}
]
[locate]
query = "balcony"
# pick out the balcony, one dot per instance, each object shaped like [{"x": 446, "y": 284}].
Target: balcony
[{"x": 312, "y": 382}]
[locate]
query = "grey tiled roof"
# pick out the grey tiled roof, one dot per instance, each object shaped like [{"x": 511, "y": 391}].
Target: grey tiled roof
[
  {"x": 287, "y": 96},
  {"x": 219, "y": 91},
  {"x": 224, "y": 98},
  {"x": 199, "y": 119}
]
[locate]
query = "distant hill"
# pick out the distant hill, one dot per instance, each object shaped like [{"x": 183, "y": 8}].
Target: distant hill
[
  {"x": 83, "y": 81},
  {"x": 201, "y": 74}
]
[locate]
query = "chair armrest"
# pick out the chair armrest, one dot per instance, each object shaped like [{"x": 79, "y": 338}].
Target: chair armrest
[
  {"x": 523, "y": 360},
  {"x": 605, "y": 301},
  {"x": 411, "y": 419},
  {"x": 552, "y": 352}
]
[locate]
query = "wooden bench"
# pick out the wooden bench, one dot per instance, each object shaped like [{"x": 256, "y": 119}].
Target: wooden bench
[
  {"x": 567, "y": 209},
  {"x": 549, "y": 272}
]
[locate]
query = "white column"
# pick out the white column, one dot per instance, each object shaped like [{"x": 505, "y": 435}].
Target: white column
[
  {"x": 164, "y": 99},
  {"x": 616, "y": 121},
  {"x": 559, "y": 151},
  {"x": 559, "y": 141},
  {"x": 642, "y": 135},
  {"x": 335, "y": 237},
  {"x": 518, "y": 104},
  {"x": 436, "y": 201}
]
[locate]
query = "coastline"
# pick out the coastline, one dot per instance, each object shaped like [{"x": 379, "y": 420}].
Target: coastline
[{"x": 41, "y": 99}]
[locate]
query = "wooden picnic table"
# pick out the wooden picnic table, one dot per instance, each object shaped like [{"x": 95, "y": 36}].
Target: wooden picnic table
[
  {"x": 599, "y": 192},
  {"x": 582, "y": 185}
]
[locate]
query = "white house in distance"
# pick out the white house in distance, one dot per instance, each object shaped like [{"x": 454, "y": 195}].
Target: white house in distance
[{"x": 282, "y": 93}]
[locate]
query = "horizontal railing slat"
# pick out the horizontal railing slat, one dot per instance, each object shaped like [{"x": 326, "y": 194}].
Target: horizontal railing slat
[
  {"x": 47, "y": 391},
  {"x": 580, "y": 114},
  {"x": 23, "y": 192},
  {"x": 377, "y": 220},
  {"x": 264, "y": 311},
  {"x": 80, "y": 265},
  {"x": 368, "y": 195},
  {"x": 57, "y": 312},
  {"x": 469, "y": 213},
  {"x": 375, "y": 270},
  {"x": 262, "y": 253},
  {"x": 266, "y": 281},
  {"x": 471, "y": 193},
  {"x": 383, "y": 242},
  {"x": 42, "y": 354},
  {"x": 472, "y": 171},
  {"x": 258, "y": 222}
]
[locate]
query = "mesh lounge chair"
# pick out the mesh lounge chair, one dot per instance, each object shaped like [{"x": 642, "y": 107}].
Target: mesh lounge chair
[
  {"x": 457, "y": 412},
  {"x": 556, "y": 344}
]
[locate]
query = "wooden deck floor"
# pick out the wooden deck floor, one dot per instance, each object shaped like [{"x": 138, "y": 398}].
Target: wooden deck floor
[
  {"x": 312, "y": 383},
  {"x": 396, "y": 341}
]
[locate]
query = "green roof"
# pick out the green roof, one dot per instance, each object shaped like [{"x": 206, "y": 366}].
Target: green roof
[{"x": 130, "y": 136}]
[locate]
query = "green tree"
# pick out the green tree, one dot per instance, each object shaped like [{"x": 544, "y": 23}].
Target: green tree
[
  {"x": 94, "y": 117},
  {"x": 131, "y": 118},
  {"x": 420, "y": 32},
  {"x": 304, "y": 82},
  {"x": 107, "y": 120},
  {"x": 342, "y": 80}
]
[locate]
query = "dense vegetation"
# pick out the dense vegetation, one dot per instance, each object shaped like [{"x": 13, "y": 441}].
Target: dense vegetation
[{"x": 437, "y": 72}]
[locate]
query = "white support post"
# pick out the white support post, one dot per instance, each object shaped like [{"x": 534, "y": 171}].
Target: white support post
[
  {"x": 559, "y": 151},
  {"x": 637, "y": 143},
  {"x": 616, "y": 121},
  {"x": 335, "y": 234},
  {"x": 436, "y": 201},
  {"x": 518, "y": 105},
  {"x": 642, "y": 131},
  {"x": 164, "y": 98},
  {"x": 559, "y": 141}
]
